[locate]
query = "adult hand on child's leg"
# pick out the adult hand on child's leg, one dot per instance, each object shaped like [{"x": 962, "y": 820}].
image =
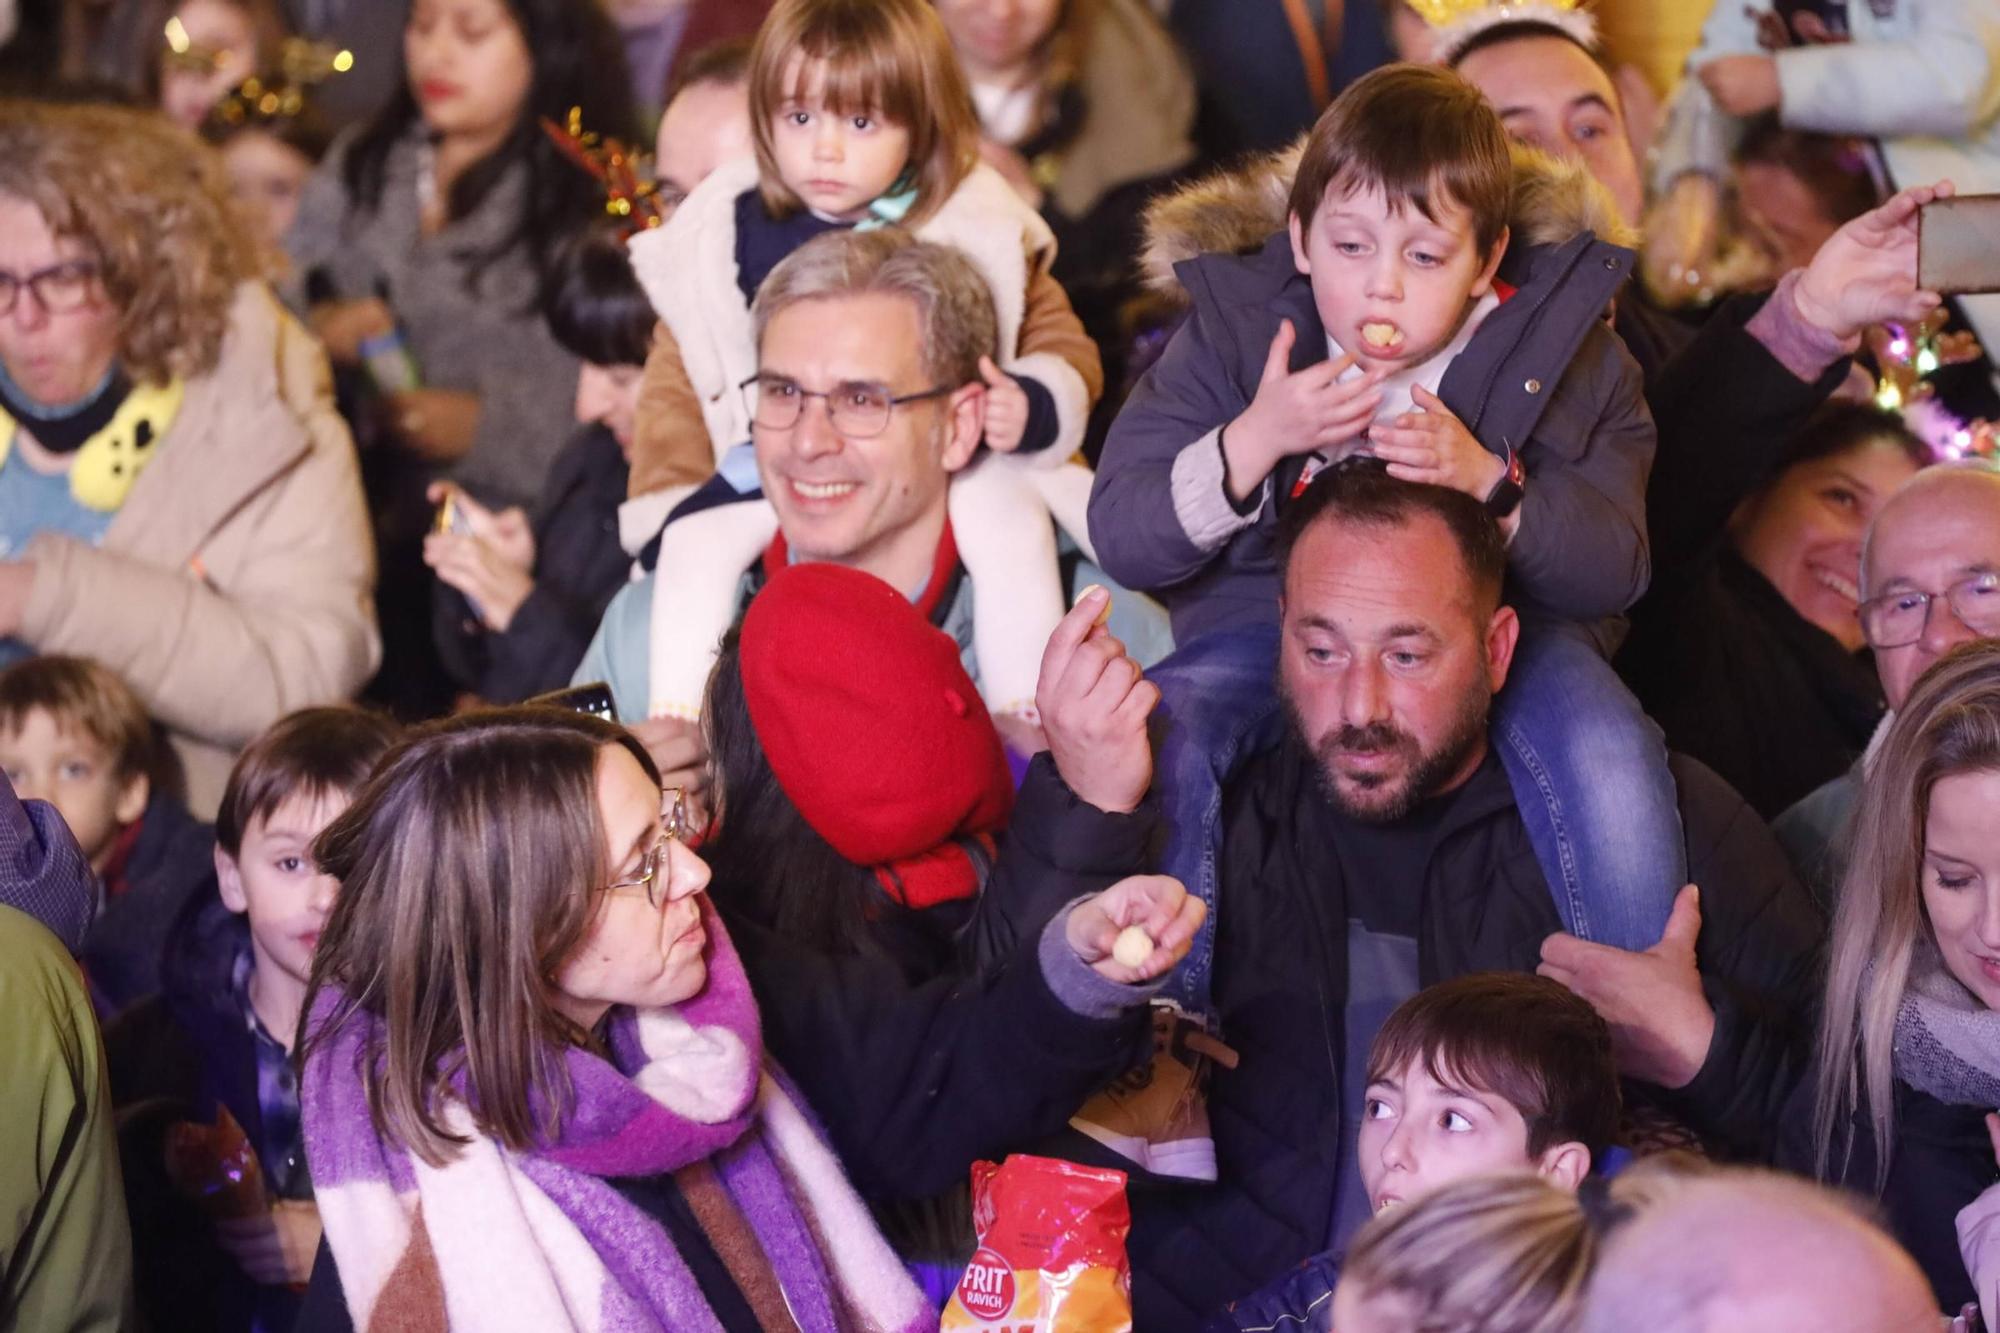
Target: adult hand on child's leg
[
  {"x": 1094, "y": 701},
  {"x": 1661, "y": 1023},
  {"x": 274, "y": 1248}
]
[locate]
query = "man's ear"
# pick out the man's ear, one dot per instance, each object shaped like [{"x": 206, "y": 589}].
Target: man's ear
[
  {"x": 1298, "y": 231},
  {"x": 132, "y": 798},
  {"x": 964, "y": 425},
  {"x": 229, "y": 881},
  {"x": 1503, "y": 632},
  {"x": 1484, "y": 283},
  {"x": 1565, "y": 1165}
]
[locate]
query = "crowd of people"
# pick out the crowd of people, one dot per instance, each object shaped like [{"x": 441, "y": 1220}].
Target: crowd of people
[{"x": 633, "y": 632}]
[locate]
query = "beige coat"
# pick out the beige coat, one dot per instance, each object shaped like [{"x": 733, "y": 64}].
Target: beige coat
[{"x": 236, "y": 583}]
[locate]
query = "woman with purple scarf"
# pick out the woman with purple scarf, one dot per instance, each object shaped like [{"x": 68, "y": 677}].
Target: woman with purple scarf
[{"x": 535, "y": 1092}]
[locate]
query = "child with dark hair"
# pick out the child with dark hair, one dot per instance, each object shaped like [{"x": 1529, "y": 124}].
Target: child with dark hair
[
  {"x": 519, "y": 596},
  {"x": 74, "y": 734},
  {"x": 219, "y": 1037},
  {"x": 1483, "y": 1075}
]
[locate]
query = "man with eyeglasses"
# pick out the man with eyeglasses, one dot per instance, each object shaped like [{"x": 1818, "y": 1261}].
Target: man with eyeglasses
[
  {"x": 1930, "y": 580},
  {"x": 867, "y": 402}
]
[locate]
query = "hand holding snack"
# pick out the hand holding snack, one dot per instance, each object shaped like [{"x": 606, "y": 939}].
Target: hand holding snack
[{"x": 1158, "y": 905}]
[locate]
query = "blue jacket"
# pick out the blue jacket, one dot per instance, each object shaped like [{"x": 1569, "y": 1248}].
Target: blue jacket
[{"x": 1543, "y": 376}]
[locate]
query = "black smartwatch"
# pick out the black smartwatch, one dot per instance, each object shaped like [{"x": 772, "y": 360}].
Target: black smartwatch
[{"x": 1505, "y": 497}]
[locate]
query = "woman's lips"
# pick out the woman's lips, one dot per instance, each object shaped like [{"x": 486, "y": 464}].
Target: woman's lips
[
  {"x": 1844, "y": 588},
  {"x": 436, "y": 90}
]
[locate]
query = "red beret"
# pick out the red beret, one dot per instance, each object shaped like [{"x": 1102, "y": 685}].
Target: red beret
[{"x": 872, "y": 727}]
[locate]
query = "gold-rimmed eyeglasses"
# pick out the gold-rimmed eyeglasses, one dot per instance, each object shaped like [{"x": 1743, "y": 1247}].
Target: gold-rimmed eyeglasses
[{"x": 675, "y": 826}]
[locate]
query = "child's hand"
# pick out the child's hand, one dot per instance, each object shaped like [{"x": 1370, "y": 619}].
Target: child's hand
[
  {"x": 1006, "y": 408},
  {"x": 1295, "y": 413},
  {"x": 1742, "y": 85},
  {"x": 277, "y": 1248},
  {"x": 1434, "y": 446}
]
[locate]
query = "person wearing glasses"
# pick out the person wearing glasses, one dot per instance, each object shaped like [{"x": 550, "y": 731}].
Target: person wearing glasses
[
  {"x": 178, "y": 496},
  {"x": 1930, "y": 578},
  {"x": 1747, "y": 649},
  {"x": 867, "y": 403},
  {"x": 535, "y": 1079}
]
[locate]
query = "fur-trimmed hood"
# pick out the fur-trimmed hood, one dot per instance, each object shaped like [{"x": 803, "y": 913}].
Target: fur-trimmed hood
[{"x": 1236, "y": 211}]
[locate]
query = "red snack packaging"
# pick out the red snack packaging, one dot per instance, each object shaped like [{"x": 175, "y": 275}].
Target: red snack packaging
[{"x": 1051, "y": 1253}]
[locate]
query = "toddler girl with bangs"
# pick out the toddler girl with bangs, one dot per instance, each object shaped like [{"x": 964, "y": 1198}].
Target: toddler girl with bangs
[{"x": 861, "y": 119}]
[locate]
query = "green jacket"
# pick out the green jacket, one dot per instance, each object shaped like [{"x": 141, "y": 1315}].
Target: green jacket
[{"x": 65, "y": 1247}]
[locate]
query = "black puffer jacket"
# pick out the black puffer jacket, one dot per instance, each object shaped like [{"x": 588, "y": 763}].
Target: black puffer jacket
[
  {"x": 1942, "y": 1161},
  {"x": 1281, "y": 985}
]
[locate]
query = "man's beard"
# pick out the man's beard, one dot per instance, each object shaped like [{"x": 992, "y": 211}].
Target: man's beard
[{"x": 1384, "y": 798}]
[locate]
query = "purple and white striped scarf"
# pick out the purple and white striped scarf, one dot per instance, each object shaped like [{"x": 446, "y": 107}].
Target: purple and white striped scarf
[{"x": 499, "y": 1240}]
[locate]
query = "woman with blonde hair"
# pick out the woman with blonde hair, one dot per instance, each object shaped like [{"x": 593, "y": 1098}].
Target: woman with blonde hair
[
  {"x": 1908, "y": 1059},
  {"x": 178, "y": 496},
  {"x": 1495, "y": 1254}
]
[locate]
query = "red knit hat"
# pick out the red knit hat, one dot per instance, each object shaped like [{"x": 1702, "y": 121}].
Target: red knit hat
[{"x": 873, "y": 729}]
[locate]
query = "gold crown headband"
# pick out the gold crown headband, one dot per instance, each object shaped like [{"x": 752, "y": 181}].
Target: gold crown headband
[
  {"x": 1454, "y": 23},
  {"x": 630, "y": 193}
]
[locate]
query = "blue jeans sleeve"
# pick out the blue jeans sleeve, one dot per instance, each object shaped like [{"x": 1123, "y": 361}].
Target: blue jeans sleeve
[
  {"x": 1216, "y": 698},
  {"x": 1589, "y": 771}
]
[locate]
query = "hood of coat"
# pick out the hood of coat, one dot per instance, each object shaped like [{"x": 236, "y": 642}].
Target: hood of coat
[{"x": 1236, "y": 211}]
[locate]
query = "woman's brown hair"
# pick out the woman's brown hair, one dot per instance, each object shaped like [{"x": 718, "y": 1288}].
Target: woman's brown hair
[
  {"x": 889, "y": 58},
  {"x": 1949, "y": 725},
  {"x": 467, "y": 866},
  {"x": 149, "y": 201}
]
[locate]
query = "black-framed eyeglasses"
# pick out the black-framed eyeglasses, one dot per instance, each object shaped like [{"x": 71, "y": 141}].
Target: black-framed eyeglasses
[
  {"x": 858, "y": 409},
  {"x": 58, "y": 289},
  {"x": 1898, "y": 619},
  {"x": 675, "y": 826}
]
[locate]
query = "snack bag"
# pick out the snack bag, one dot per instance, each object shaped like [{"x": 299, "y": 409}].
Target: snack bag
[
  {"x": 215, "y": 1166},
  {"x": 1051, "y": 1255}
]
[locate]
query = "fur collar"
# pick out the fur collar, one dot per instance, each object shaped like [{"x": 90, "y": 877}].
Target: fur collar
[{"x": 1237, "y": 211}]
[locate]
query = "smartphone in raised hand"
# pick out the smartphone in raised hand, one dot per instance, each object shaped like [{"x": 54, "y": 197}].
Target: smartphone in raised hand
[{"x": 1958, "y": 245}]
